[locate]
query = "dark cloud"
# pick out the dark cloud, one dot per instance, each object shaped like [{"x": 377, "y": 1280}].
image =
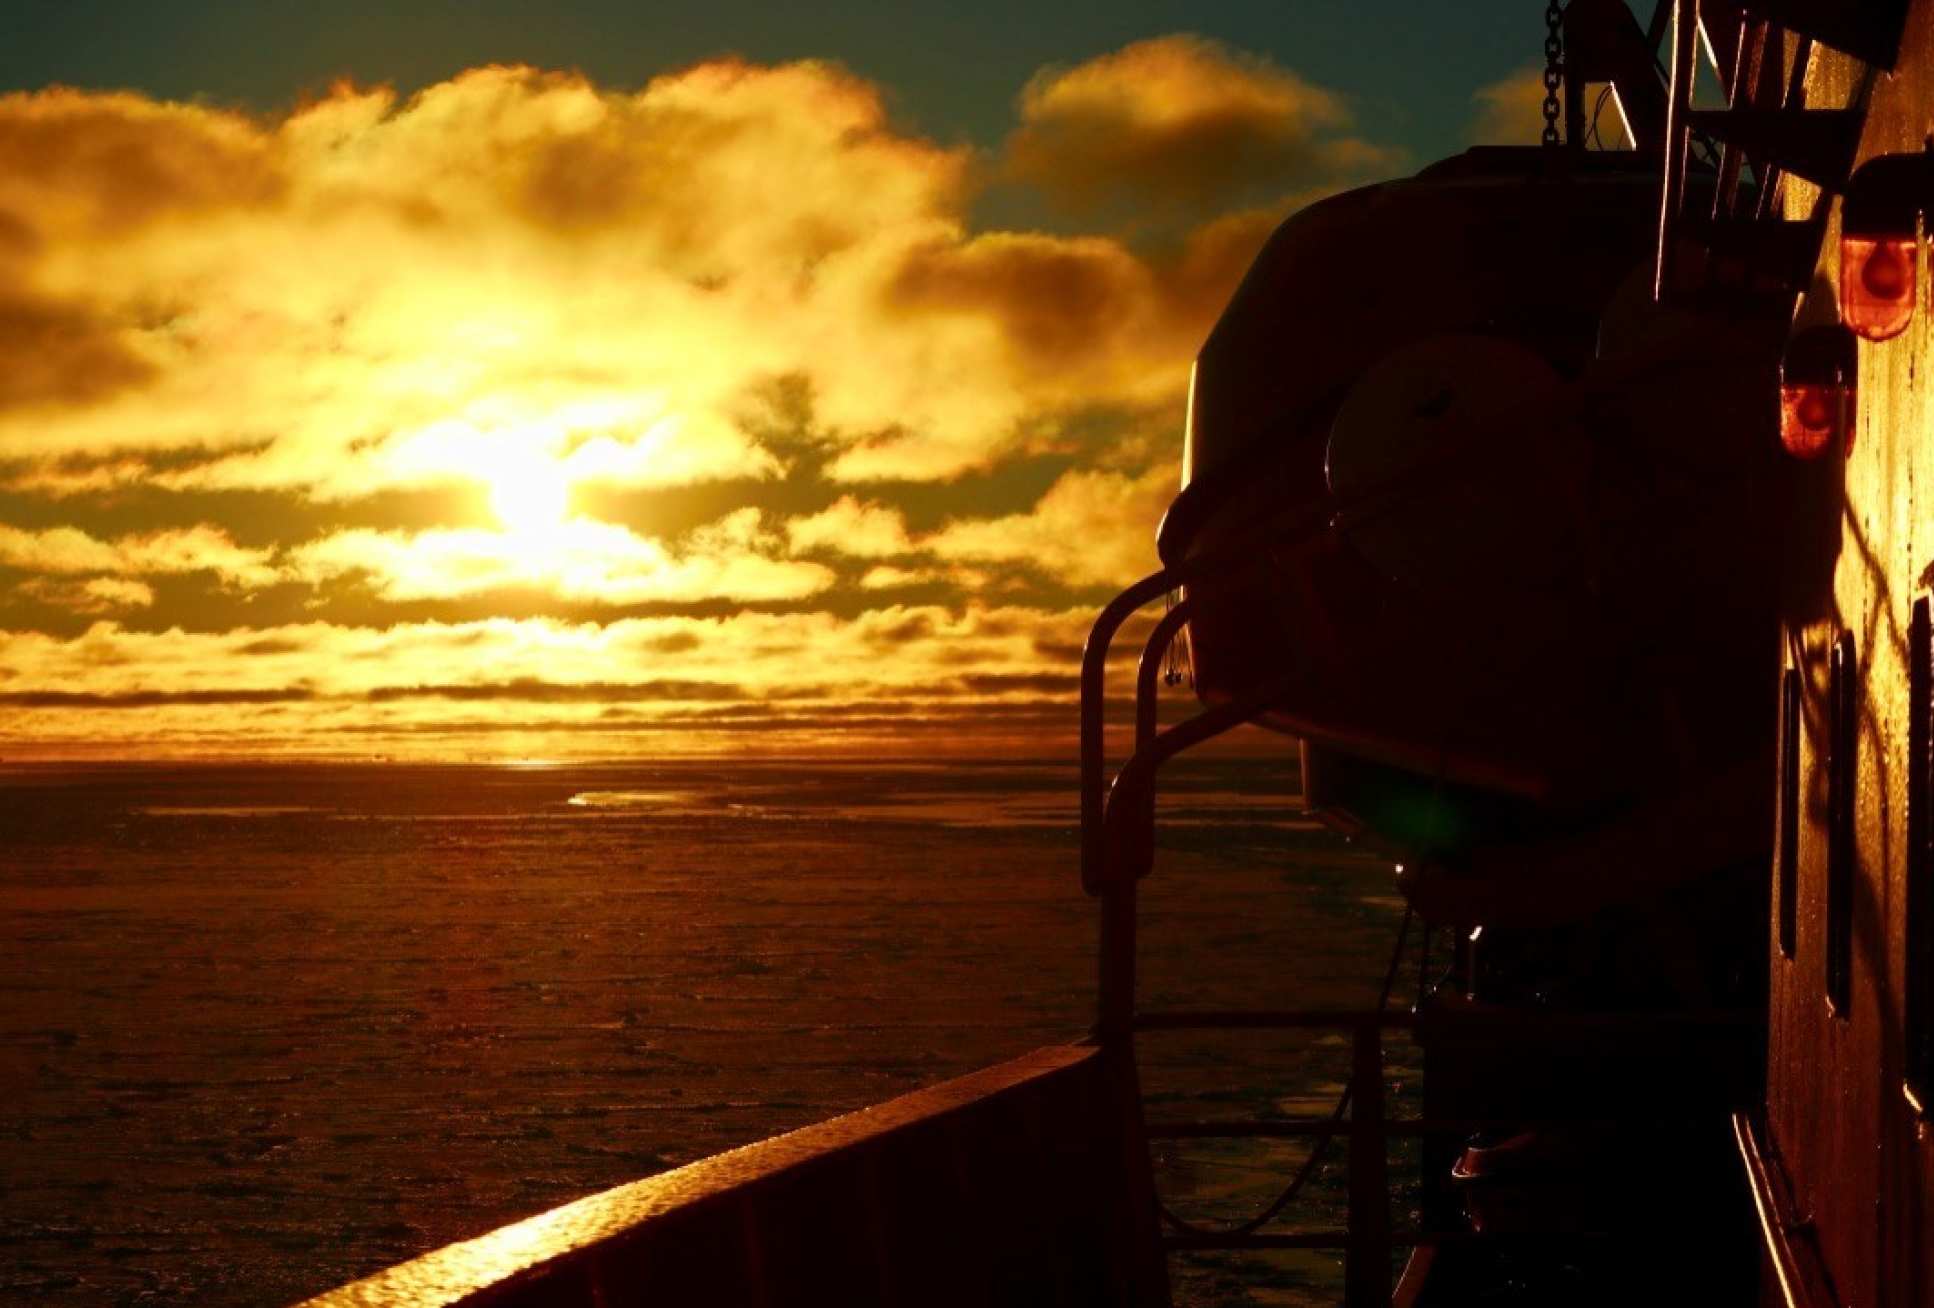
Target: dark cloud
[
  {"x": 1058, "y": 300},
  {"x": 676, "y": 642},
  {"x": 270, "y": 645},
  {"x": 554, "y": 692},
  {"x": 913, "y": 716},
  {"x": 901, "y": 629},
  {"x": 139, "y": 699},
  {"x": 79, "y": 162},
  {"x": 61, "y": 353},
  {"x": 1179, "y": 123},
  {"x": 1002, "y": 683}
]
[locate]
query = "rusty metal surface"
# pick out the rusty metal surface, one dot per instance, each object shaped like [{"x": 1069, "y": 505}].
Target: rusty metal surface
[
  {"x": 1860, "y": 1159},
  {"x": 845, "y": 1211}
]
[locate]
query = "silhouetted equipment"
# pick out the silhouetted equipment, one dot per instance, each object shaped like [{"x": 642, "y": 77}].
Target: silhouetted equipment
[{"x": 1528, "y": 544}]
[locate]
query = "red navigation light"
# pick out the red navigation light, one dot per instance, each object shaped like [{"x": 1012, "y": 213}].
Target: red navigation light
[
  {"x": 1817, "y": 392},
  {"x": 1879, "y": 243},
  {"x": 1877, "y": 285},
  {"x": 1809, "y": 419}
]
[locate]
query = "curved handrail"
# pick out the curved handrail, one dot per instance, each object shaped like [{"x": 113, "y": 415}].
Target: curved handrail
[
  {"x": 1250, "y": 550},
  {"x": 1094, "y": 666},
  {"x": 1132, "y": 796}
]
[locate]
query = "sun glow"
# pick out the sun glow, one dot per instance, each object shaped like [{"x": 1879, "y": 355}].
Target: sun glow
[
  {"x": 529, "y": 495},
  {"x": 528, "y": 486}
]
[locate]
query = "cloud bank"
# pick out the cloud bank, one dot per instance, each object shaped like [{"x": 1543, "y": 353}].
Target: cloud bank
[{"x": 522, "y": 399}]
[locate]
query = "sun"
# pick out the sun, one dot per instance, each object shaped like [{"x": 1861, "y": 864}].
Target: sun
[{"x": 528, "y": 494}]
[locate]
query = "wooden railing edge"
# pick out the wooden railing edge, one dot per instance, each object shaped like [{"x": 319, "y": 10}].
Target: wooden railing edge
[{"x": 465, "y": 1271}]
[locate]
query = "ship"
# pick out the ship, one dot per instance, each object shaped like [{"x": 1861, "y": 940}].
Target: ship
[{"x": 1559, "y": 505}]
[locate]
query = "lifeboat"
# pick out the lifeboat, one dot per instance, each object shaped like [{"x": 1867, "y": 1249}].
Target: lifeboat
[{"x": 1493, "y": 534}]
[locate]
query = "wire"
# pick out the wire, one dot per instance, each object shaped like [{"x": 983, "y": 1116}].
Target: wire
[
  {"x": 1598, "y": 107},
  {"x": 1322, "y": 1142}
]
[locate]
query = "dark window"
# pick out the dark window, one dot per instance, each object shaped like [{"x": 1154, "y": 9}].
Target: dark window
[
  {"x": 1843, "y": 736},
  {"x": 1920, "y": 857},
  {"x": 1788, "y": 835}
]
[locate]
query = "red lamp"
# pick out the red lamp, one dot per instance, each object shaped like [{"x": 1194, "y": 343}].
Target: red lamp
[
  {"x": 1817, "y": 375},
  {"x": 1879, "y": 243}
]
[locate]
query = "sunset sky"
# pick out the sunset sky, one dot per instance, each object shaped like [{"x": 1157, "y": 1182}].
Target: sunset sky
[{"x": 498, "y": 380}]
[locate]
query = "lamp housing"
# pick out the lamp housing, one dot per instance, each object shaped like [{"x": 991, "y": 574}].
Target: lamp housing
[
  {"x": 1818, "y": 373},
  {"x": 1880, "y": 221}
]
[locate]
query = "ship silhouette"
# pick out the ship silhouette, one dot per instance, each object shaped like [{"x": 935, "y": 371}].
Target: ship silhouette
[{"x": 1559, "y": 504}]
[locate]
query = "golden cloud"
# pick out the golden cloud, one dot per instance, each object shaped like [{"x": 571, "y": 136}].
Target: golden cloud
[
  {"x": 201, "y": 548},
  {"x": 885, "y": 576},
  {"x": 582, "y": 559},
  {"x": 92, "y": 595},
  {"x": 758, "y": 654},
  {"x": 185, "y": 690},
  {"x": 349, "y": 299},
  {"x": 1091, "y": 528},
  {"x": 726, "y": 296},
  {"x": 1510, "y": 111},
  {"x": 851, "y": 526},
  {"x": 1179, "y": 122}
]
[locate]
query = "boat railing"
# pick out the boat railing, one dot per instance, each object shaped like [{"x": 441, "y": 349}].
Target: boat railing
[
  {"x": 1117, "y": 846},
  {"x": 1001, "y": 1186}
]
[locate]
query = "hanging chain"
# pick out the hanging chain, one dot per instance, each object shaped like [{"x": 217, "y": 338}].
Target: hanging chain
[{"x": 1554, "y": 68}]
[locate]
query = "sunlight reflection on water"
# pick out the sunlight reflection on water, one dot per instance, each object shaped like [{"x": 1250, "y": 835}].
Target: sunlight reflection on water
[
  {"x": 281, "y": 1026},
  {"x": 631, "y": 798}
]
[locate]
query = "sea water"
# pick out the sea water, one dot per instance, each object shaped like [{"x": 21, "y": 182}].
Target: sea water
[{"x": 266, "y": 1029}]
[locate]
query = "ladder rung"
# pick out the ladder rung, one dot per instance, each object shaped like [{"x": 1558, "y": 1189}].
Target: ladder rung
[
  {"x": 1780, "y": 251},
  {"x": 1817, "y": 144},
  {"x": 1869, "y": 30},
  {"x": 1721, "y": 20}
]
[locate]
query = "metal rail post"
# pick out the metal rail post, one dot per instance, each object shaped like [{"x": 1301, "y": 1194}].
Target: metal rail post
[
  {"x": 1116, "y": 958},
  {"x": 1685, "y": 47},
  {"x": 1094, "y": 668},
  {"x": 1366, "y": 1266}
]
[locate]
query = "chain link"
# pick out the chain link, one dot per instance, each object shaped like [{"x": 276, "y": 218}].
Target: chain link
[{"x": 1554, "y": 68}]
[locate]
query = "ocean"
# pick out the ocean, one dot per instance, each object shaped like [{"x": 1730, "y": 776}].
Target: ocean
[{"x": 269, "y": 1028}]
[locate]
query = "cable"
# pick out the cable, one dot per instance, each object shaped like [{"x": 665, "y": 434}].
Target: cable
[
  {"x": 1598, "y": 107},
  {"x": 1322, "y": 1142}
]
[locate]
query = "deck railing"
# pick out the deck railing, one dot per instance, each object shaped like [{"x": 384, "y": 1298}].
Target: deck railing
[
  {"x": 1002, "y": 1186},
  {"x": 1118, "y": 838}
]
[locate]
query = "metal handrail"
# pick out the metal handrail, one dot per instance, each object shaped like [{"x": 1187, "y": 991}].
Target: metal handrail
[
  {"x": 1128, "y": 821},
  {"x": 1094, "y": 666},
  {"x": 1297, "y": 1128},
  {"x": 1400, "y": 1237},
  {"x": 1515, "y": 1021}
]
